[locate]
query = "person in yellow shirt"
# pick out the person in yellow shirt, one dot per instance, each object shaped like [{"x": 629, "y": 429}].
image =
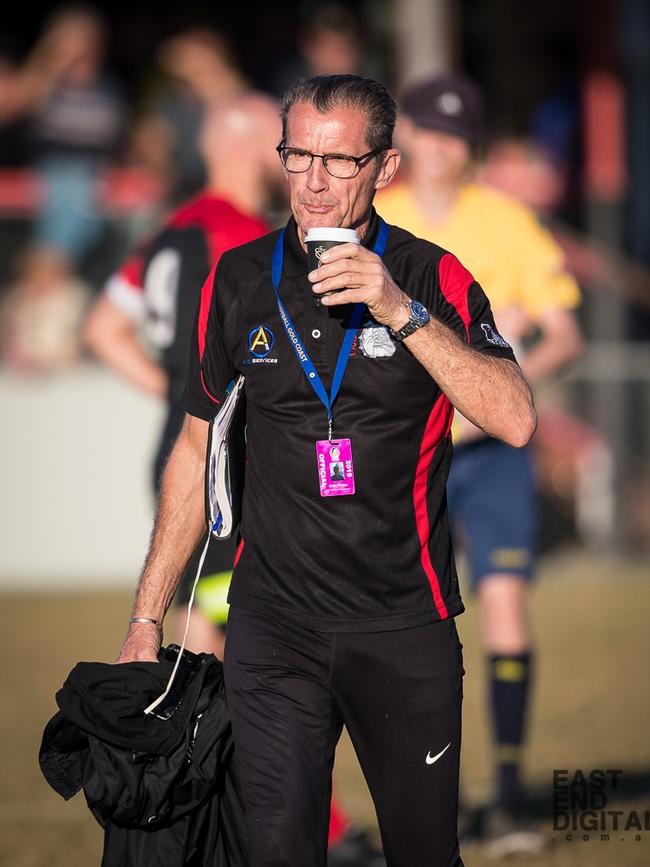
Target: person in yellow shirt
[{"x": 491, "y": 491}]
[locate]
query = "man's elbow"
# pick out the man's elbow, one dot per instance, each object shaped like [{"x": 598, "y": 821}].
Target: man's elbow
[{"x": 523, "y": 428}]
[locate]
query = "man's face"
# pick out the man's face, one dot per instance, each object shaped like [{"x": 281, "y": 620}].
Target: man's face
[
  {"x": 437, "y": 157},
  {"x": 317, "y": 198}
]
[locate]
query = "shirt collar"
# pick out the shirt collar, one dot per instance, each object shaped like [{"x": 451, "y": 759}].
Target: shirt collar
[{"x": 295, "y": 258}]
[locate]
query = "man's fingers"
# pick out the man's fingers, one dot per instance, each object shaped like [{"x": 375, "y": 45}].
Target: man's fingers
[
  {"x": 346, "y": 280},
  {"x": 347, "y": 296},
  {"x": 355, "y": 252},
  {"x": 345, "y": 251},
  {"x": 334, "y": 268}
]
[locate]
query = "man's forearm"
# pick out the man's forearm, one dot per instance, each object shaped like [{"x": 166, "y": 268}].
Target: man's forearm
[
  {"x": 178, "y": 527},
  {"x": 490, "y": 392}
]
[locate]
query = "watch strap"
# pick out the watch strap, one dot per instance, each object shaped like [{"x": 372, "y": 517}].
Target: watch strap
[{"x": 410, "y": 327}]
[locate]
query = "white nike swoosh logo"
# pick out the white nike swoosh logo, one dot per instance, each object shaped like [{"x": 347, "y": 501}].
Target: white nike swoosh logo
[{"x": 431, "y": 759}]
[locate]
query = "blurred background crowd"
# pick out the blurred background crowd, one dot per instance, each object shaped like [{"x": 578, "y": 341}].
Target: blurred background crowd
[{"x": 100, "y": 118}]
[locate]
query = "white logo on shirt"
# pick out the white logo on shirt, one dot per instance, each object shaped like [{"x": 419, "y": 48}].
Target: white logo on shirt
[
  {"x": 493, "y": 336},
  {"x": 430, "y": 760},
  {"x": 375, "y": 341}
]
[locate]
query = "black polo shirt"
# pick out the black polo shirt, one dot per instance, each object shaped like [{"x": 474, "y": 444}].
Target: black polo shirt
[{"x": 379, "y": 559}]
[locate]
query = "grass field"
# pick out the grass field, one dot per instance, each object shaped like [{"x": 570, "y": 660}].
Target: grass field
[{"x": 591, "y": 710}]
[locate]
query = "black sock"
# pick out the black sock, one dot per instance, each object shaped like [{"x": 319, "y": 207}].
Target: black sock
[{"x": 509, "y": 687}]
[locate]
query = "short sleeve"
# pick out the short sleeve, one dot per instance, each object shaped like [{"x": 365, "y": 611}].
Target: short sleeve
[
  {"x": 125, "y": 288},
  {"x": 210, "y": 368},
  {"x": 464, "y": 307}
]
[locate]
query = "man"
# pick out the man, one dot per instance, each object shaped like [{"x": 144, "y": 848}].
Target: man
[
  {"x": 341, "y": 607},
  {"x": 158, "y": 288},
  {"x": 491, "y": 491},
  {"x": 149, "y": 304}
]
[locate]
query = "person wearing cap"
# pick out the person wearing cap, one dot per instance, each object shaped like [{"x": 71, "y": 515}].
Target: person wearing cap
[
  {"x": 491, "y": 491},
  {"x": 344, "y": 595}
]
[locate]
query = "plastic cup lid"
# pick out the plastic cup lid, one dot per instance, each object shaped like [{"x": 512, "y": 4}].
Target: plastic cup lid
[{"x": 329, "y": 233}]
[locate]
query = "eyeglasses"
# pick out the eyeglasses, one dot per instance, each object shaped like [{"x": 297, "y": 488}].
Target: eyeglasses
[{"x": 296, "y": 160}]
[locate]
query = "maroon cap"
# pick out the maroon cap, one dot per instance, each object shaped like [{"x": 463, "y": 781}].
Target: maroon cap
[{"x": 450, "y": 103}]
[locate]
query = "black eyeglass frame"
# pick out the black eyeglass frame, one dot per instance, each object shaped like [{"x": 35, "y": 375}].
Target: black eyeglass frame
[{"x": 359, "y": 161}]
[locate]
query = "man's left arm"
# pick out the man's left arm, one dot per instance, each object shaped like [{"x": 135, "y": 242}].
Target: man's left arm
[{"x": 490, "y": 391}]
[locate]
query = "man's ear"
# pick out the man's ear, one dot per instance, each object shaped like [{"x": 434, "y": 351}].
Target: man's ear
[{"x": 389, "y": 166}]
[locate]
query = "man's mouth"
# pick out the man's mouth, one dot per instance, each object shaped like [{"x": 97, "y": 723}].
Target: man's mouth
[{"x": 316, "y": 209}]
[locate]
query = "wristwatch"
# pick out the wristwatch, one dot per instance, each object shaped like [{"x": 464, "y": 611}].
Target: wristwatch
[{"x": 419, "y": 316}]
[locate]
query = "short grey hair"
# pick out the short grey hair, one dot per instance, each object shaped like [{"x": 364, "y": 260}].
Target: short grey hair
[{"x": 326, "y": 92}]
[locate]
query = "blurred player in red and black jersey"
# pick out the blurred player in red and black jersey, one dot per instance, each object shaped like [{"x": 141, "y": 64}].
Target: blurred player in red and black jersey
[{"x": 141, "y": 326}]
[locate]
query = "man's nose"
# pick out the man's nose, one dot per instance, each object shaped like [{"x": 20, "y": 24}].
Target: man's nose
[{"x": 317, "y": 176}]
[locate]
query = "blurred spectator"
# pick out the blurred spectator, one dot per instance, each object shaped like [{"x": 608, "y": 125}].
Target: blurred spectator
[
  {"x": 40, "y": 317},
  {"x": 521, "y": 269},
  {"x": 202, "y": 71},
  {"x": 142, "y": 325},
  {"x": 527, "y": 172},
  {"x": 328, "y": 44},
  {"x": 76, "y": 129},
  {"x": 14, "y": 142},
  {"x": 238, "y": 137},
  {"x": 75, "y": 112},
  {"x": 533, "y": 175}
]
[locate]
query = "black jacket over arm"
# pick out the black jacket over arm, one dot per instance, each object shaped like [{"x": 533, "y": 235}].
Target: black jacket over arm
[{"x": 162, "y": 789}]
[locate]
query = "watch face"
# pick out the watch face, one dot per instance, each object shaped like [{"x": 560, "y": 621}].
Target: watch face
[{"x": 419, "y": 312}]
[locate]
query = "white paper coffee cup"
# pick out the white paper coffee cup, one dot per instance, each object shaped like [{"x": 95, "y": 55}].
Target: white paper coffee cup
[{"x": 320, "y": 239}]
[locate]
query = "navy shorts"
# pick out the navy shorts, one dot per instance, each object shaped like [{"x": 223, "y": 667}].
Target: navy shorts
[{"x": 492, "y": 508}]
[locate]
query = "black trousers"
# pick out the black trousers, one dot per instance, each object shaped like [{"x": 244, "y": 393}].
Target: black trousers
[{"x": 399, "y": 693}]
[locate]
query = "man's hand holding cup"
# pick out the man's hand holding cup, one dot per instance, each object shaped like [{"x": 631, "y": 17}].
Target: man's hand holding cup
[{"x": 344, "y": 272}]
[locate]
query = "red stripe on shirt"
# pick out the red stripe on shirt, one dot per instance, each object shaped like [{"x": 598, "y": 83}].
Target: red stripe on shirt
[
  {"x": 437, "y": 428},
  {"x": 206, "y": 390},
  {"x": 238, "y": 553},
  {"x": 455, "y": 281},
  {"x": 204, "y": 310},
  {"x": 226, "y": 228}
]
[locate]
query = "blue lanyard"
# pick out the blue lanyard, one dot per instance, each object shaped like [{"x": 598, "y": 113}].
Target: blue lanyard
[{"x": 351, "y": 328}]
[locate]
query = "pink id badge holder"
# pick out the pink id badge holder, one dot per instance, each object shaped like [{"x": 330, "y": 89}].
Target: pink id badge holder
[{"x": 335, "y": 468}]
